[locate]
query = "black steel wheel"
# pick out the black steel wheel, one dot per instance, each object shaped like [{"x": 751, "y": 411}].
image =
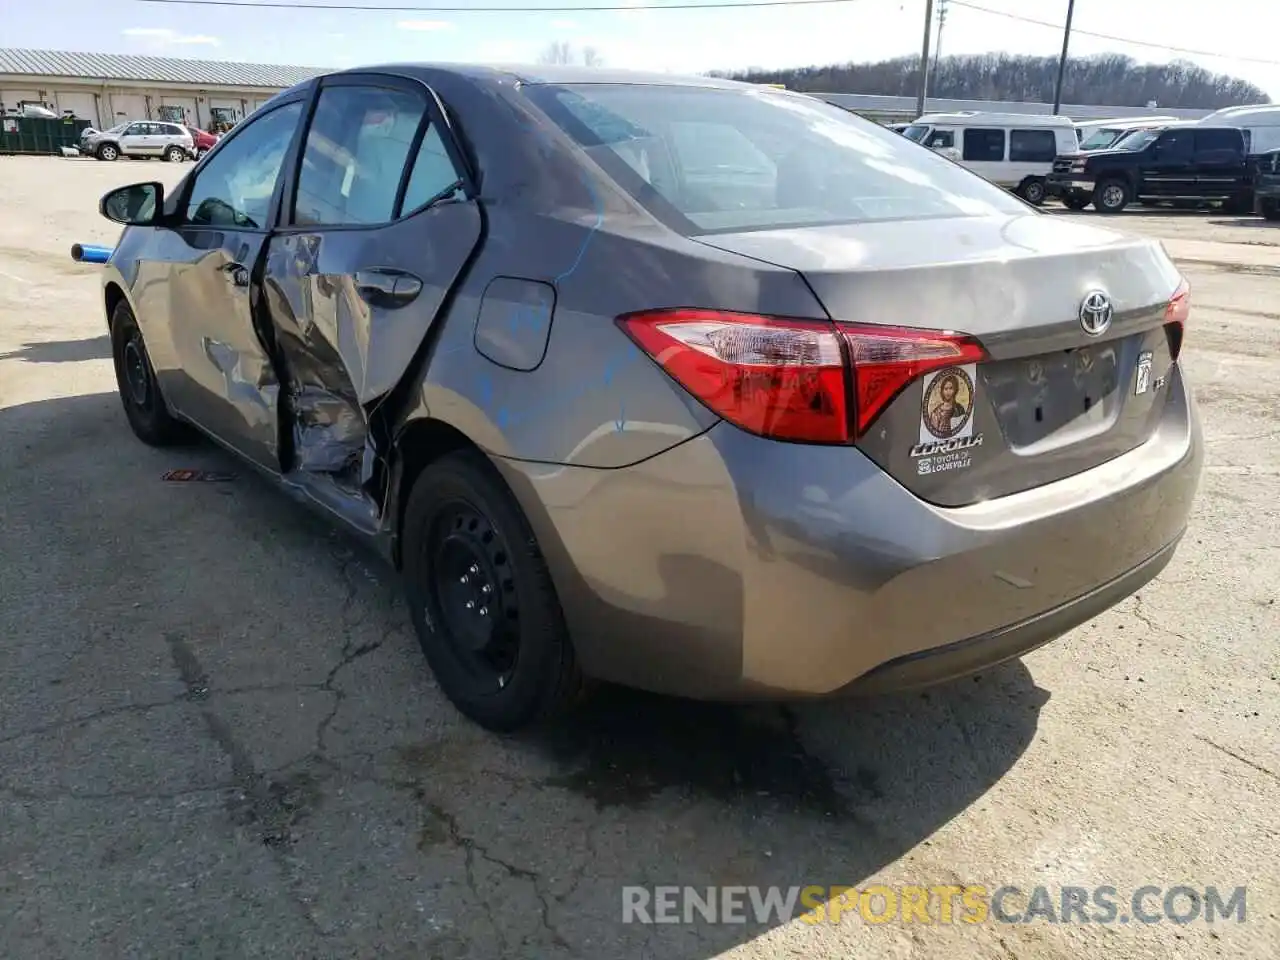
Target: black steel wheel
[
  {"x": 481, "y": 597},
  {"x": 144, "y": 406}
]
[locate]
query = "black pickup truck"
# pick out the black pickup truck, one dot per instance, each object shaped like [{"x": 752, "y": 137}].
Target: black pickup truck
[{"x": 1179, "y": 164}]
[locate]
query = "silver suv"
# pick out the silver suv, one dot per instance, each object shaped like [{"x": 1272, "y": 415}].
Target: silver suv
[{"x": 139, "y": 138}]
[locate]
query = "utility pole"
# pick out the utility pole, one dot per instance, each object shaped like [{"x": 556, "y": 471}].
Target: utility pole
[
  {"x": 924, "y": 58},
  {"x": 1062, "y": 61},
  {"x": 942, "y": 22}
]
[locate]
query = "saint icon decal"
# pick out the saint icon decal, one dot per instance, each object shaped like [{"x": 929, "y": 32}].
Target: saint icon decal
[{"x": 946, "y": 410}]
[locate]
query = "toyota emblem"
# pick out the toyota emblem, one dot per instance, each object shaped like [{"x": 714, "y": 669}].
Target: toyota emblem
[{"x": 1095, "y": 313}]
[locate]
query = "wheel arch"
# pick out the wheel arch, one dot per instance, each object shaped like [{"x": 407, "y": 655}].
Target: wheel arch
[
  {"x": 418, "y": 444},
  {"x": 112, "y": 295}
]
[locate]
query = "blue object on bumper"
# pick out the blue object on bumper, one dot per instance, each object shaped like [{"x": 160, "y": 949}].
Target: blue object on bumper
[{"x": 88, "y": 253}]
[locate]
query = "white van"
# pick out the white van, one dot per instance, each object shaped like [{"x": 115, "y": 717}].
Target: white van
[
  {"x": 1101, "y": 134},
  {"x": 1261, "y": 125},
  {"x": 1014, "y": 150}
]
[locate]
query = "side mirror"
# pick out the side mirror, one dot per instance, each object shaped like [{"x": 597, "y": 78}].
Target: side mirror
[{"x": 138, "y": 204}]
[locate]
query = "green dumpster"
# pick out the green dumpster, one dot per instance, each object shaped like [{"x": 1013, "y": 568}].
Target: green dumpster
[{"x": 39, "y": 135}]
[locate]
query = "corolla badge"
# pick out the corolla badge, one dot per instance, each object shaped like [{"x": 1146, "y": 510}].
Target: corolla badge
[{"x": 1095, "y": 313}]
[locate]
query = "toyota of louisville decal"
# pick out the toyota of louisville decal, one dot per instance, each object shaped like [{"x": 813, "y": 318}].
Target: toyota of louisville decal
[{"x": 946, "y": 421}]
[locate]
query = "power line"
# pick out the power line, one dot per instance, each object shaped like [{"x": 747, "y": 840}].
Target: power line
[{"x": 1112, "y": 37}]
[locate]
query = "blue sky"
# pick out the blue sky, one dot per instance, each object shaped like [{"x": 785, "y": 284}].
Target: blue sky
[{"x": 695, "y": 40}]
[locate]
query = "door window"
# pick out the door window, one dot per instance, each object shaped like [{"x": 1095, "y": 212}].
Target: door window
[
  {"x": 135, "y": 130},
  {"x": 1032, "y": 146},
  {"x": 234, "y": 188},
  {"x": 355, "y": 155},
  {"x": 1174, "y": 145},
  {"x": 433, "y": 172},
  {"x": 983, "y": 144},
  {"x": 1218, "y": 146},
  {"x": 942, "y": 139}
]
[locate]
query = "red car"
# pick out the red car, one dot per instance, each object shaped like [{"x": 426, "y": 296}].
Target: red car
[{"x": 202, "y": 141}]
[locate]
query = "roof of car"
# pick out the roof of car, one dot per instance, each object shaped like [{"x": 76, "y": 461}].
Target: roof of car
[{"x": 555, "y": 74}]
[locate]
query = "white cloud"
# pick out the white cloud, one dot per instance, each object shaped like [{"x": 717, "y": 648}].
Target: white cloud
[
  {"x": 423, "y": 25},
  {"x": 161, "y": 37}
]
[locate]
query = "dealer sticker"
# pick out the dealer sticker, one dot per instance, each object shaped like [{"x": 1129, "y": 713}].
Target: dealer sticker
[{"x": 1142, "y": 382}]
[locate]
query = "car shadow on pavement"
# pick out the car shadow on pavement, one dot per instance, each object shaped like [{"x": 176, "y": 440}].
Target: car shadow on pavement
[
  {"x": 299, "y": 680},
  {"x": 1255, "y": 222},
  {"x": 62, "y": 351}
]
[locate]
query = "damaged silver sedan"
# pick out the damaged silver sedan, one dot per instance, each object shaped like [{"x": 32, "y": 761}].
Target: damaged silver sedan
[{"x": 696, "y": 386}]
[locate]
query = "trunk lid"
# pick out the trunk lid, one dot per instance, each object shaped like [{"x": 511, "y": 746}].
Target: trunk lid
[{"x": 1051, "y": 400}]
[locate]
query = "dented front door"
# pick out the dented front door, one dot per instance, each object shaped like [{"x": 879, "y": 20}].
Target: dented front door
[
  {"x": 378, "y": 229},
  {"x": 222, "y": 375}
]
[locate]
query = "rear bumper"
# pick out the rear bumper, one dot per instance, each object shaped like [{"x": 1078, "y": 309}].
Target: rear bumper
[
  {"x": 978, "y": 653},
  {"x": 732, "y": 567}
]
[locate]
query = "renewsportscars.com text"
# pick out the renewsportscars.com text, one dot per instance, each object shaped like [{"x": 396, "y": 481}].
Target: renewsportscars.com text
[{"x": 936, "y": 904}]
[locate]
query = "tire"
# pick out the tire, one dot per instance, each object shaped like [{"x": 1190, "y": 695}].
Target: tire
[
  {"x": 1111, "y": 196},
  {"x": 469, "y": 553},
  {"x": 1075, "y": 203},
  {"x": 1032, "y": 190},
  {"x": 108, "y": 152},
  {"x": 144, "y": 407},
  {"x": 1269, "y": 207},
  {"x": 175, "y": 154}
]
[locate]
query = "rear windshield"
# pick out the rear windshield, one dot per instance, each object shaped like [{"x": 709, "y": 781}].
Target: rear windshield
[{"x": 721, "y": 160}]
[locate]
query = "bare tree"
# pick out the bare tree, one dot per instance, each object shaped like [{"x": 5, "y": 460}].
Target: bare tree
[
  {"x": 557, "y": 52},
  {"x": 561, "y": 52}
]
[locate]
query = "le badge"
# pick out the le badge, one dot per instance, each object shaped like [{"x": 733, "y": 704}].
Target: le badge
[{"x": 946, "y": 420}]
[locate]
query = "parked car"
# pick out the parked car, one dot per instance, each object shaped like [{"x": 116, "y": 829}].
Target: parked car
[
  {"x": 1266, "y": 184},
  {"x": 1013, "y": 150},
  {"x": 139, "y": 139},
  {"x": 202, "y": 142},
  {"x": 613, "y": 419},
  {"x": 1178, "y": 164},
  {"x": 1102, "y": 134}
]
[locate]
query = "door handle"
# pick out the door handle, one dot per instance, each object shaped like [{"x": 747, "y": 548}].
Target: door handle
[
  {"x": 380, "y": 287},
  {"x": 238, "y": 273}
]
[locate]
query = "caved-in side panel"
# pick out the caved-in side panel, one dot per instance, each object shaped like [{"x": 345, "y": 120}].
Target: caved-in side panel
[
  {"x": 327, "y": 425},
  {"x": 352, "y": 309}
]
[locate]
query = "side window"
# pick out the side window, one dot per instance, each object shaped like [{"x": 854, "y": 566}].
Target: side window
[
  {"x": 433, "y": 172},
  {"x": 1218, "y": 145},
  {"x": 355, "y": 155},
  {"x": 1174, "y": 145},
  {"x": 983, "y": 144},
  {"x": 233, "y": 189},
  {"x": 134, "y": 130},
  {"x": 942, "y": 139},
  {"x": 1032, "y": 146}
]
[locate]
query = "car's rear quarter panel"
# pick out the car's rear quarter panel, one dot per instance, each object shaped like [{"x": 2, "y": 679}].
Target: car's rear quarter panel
[{"x": 594, "y": 400}]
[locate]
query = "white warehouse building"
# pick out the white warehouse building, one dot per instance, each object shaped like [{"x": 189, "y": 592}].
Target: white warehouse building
[{"x": 107, "y": 89}]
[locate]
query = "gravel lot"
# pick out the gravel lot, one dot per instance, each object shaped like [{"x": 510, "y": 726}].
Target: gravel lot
[{"x": 218, "y": 737}]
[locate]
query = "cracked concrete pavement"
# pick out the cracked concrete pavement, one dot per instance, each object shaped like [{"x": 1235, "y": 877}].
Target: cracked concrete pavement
[{"x": 218, "y": 737}]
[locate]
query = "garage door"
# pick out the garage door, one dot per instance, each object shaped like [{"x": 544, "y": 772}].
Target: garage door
[
  {"x": 12, "y": 96},
  {"x": 84, "y": 105},
  {"x": 126, "y": 106},
  {"x": 188, "y": 105}
]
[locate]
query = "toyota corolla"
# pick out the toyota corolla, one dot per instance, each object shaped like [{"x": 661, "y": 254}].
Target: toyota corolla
[{"x": 701, "y": 387}]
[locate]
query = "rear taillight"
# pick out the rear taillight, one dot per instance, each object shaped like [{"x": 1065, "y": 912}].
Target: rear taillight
[
  {"x": 801, "y": 380},
  {"x": 1175, "y": 317}
]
